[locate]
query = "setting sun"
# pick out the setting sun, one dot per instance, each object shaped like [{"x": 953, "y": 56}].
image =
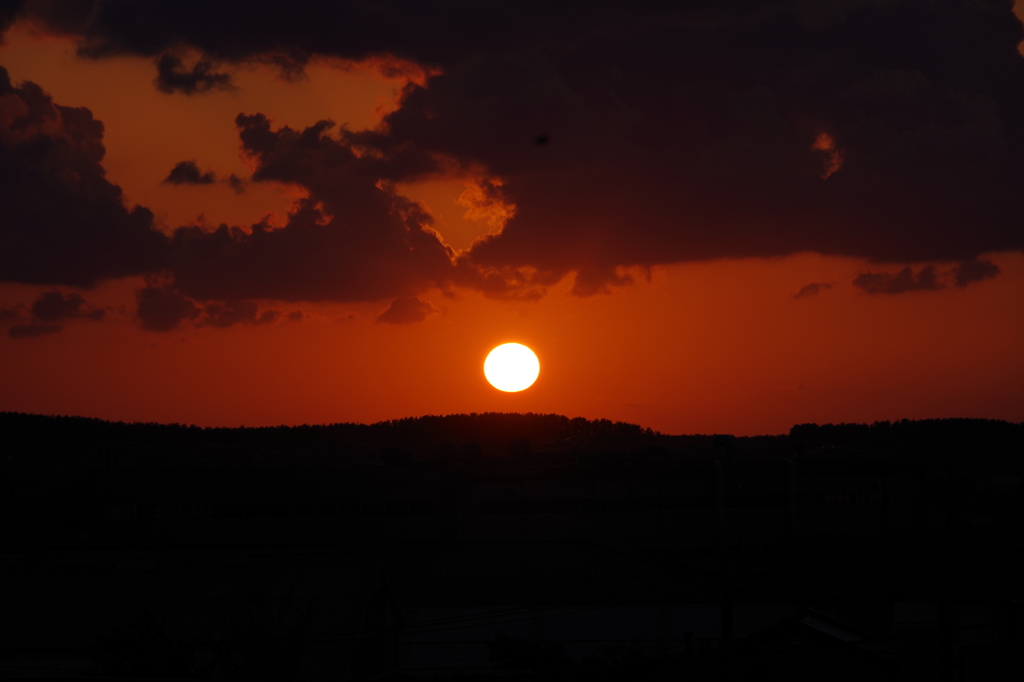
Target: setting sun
[{"x": 511, "y": 367}]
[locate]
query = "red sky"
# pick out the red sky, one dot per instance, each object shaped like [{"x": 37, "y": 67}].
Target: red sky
[{"x": 713, "y": 344}]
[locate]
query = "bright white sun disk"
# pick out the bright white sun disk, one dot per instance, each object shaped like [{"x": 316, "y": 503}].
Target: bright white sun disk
[{"x": 511, "y": 367}]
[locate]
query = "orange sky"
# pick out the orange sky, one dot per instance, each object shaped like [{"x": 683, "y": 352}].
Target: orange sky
[{"x": 718, "y": 347}]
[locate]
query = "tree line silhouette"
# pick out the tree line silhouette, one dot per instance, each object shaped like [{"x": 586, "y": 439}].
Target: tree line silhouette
[{"x": 41, "y": 440}]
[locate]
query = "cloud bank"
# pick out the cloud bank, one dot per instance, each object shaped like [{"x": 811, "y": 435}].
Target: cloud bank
[
  {"x": 618, "y": 135},
  {"x": 61, "y": 220}
]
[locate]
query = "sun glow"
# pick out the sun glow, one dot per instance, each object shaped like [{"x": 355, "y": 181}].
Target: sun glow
[{"x": 511, "y": 367}]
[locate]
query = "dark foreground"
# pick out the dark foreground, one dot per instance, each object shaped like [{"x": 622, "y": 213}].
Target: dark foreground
[{"x": 890, "y": 552}]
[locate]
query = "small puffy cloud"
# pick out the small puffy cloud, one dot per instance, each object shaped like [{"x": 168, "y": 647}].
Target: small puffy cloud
[
  {"x": 220, "y": 314},
  {"x": 927, "y": 278},
  {"x": 812, "y": 289},
  {"x": 162, "y": 308},
  {"x": 47, "y": 312},
  {"x": 900, "y": 283},
  {"x": 268, "y": 317},
  {"x": 974, "y": 270},
  {"x": 407, "y": 310},
  {"x": 236, "y": 183},
  {"x": 33, "y": 330},
  {"x": 9, "y": 314},
  {"x": 173, "y": 76},
  {"x": 53, "y": 306},
  {"x": 188, "y": 173}
]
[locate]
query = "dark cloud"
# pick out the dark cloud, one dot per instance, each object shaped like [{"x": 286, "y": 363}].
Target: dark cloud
[
  {"x": 173, "y": 76},
  {"x": 229, "y": 313},
  {"x": 220, "y": 314},
  {"x": 61, "y": 221},
  {"x": 689, "y": 142},
  {"x": 8, "y": 13},
  {"x": 900, "y": 283},
  {"x": 33, "y": 330},
  {"x": 974, "y": 271},
  {"x": 49, "y": 309},
  {"x": 286, "y": 34},
  {"x": 407, "y": 310},
  {"x": 54, "y": 306},
  {"x": 162, "y": 308},
  {"x": 236, "y": 183},
  {"x": 927, "y": 278},
  {"x": 63, "y": 16},
  {"x": 812, "y": 289},
  {"x": 889, "y": 131},
  {"x": 591, "y": 280},
  {"x": 295, "y": 316},
  {"x": 352, "y": 239},
  {"x": 268, "y": 317},
  {"x": 188, "y": 173}
]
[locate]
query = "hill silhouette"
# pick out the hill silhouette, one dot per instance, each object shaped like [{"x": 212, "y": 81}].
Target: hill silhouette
[
  {"x": 67, "y": 441},
  {"x": 584, "y": 547}
]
